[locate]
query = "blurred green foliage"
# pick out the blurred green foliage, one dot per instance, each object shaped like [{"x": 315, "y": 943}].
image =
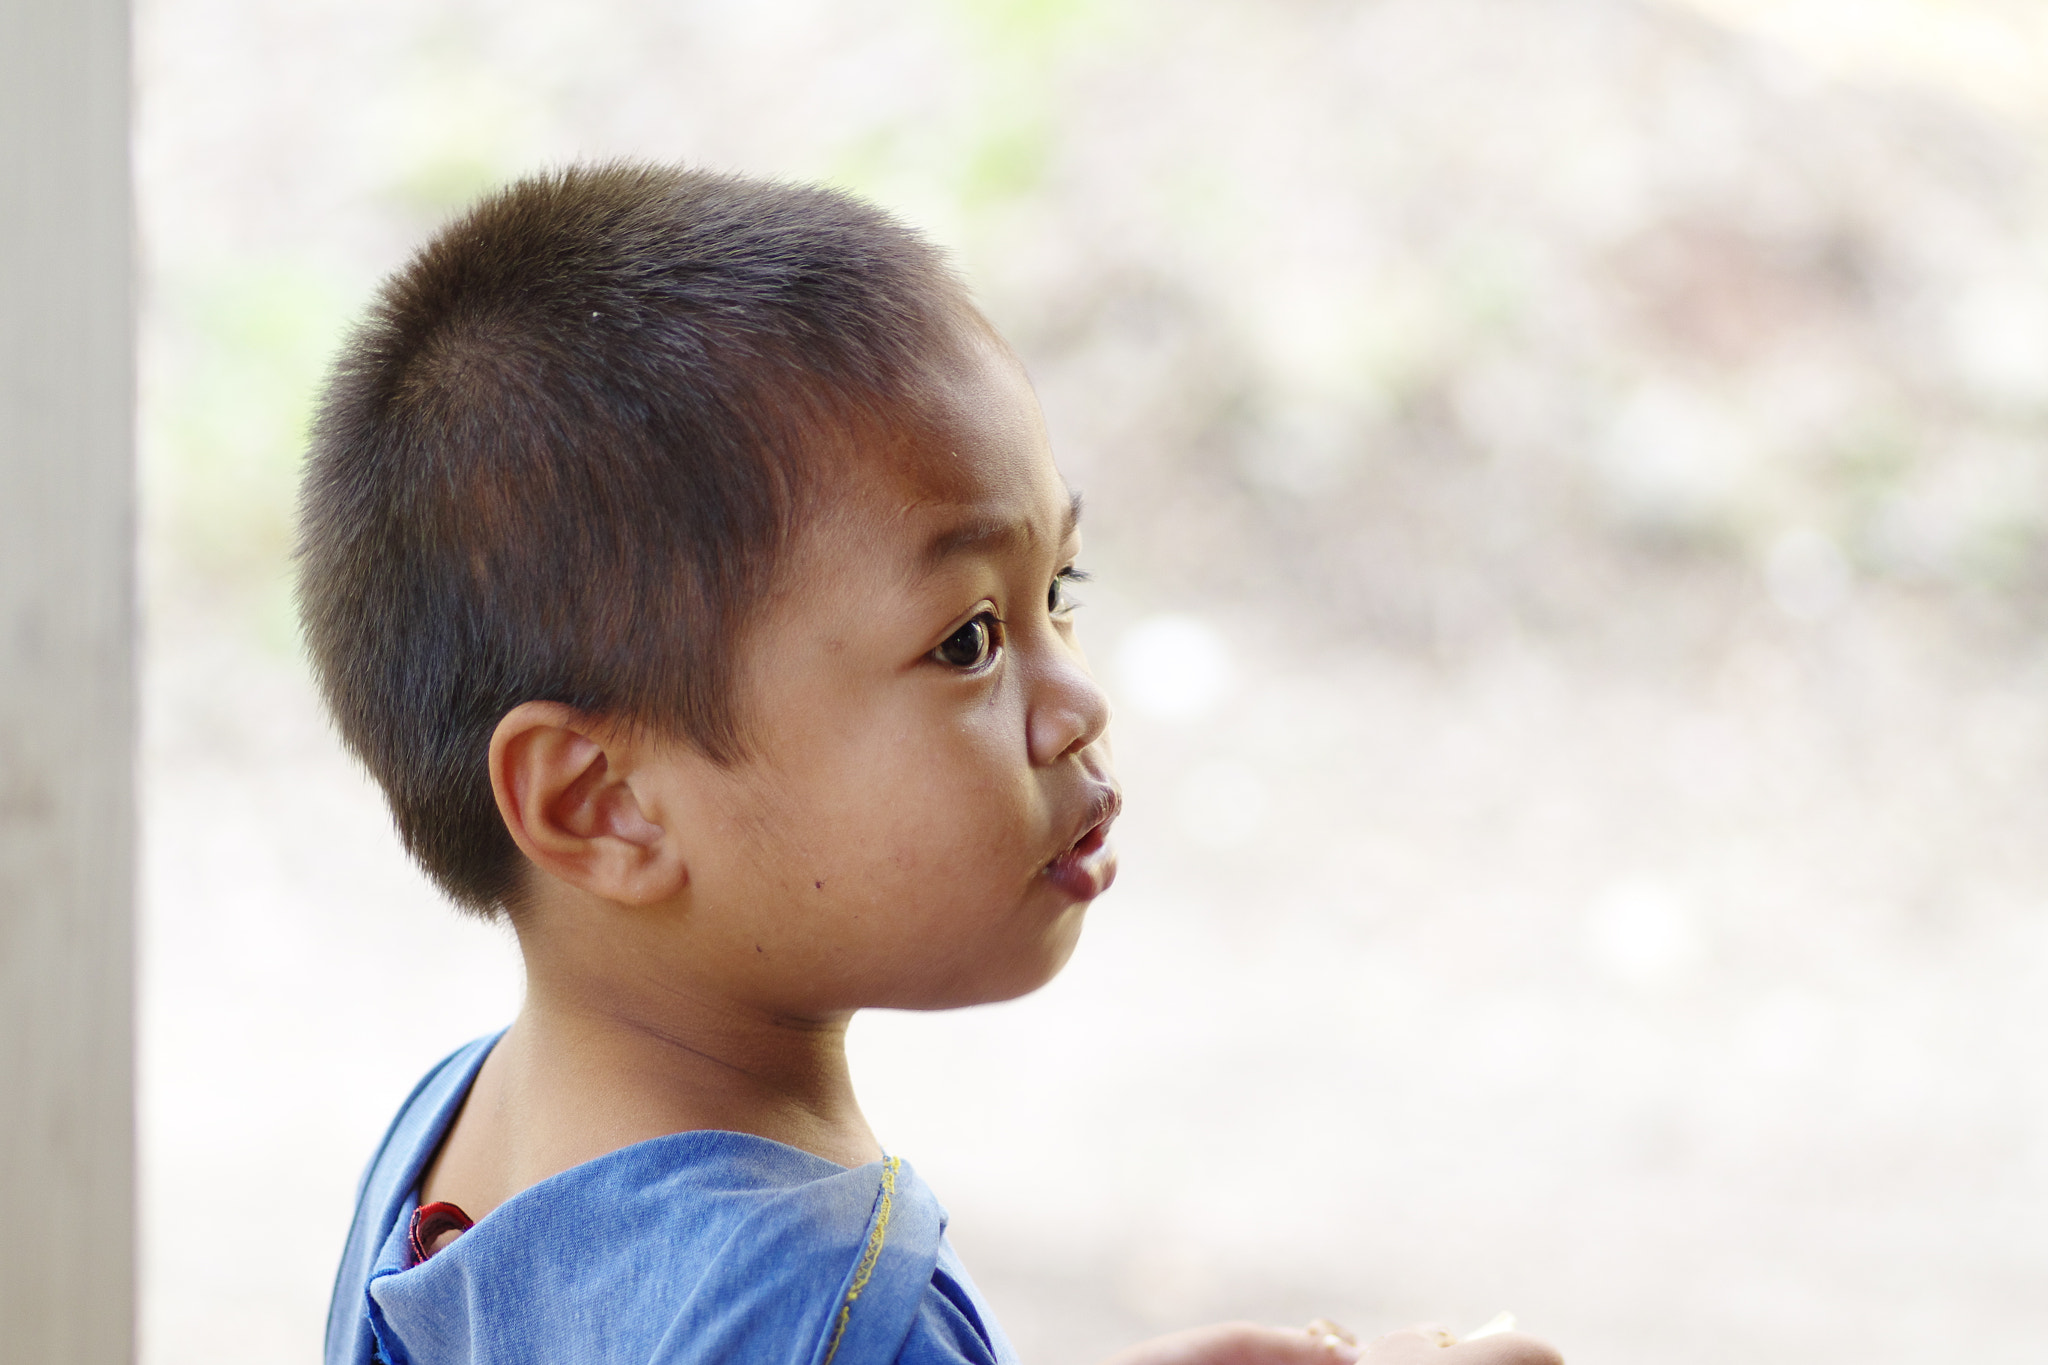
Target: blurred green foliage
[
  {"x": 1382, "y": 300},
  {"x": 233, "y": 384}
]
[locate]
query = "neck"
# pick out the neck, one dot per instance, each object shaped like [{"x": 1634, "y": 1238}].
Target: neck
[
  {"x": 596, "y": 1062},
  {"x": 685, "y": 1061}
]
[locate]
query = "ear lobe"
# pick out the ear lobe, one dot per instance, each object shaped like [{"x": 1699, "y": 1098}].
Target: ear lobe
[{"x": 569, "y": 808}]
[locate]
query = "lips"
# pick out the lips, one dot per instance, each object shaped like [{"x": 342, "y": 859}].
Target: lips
[{"x": 1086, "y": 867}]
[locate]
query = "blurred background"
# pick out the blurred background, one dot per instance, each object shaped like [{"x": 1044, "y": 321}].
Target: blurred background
[{"x": 1568, "y": 493}]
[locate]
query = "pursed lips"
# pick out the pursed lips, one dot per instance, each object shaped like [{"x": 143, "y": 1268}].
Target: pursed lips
[
  {"x": 1105, "y": 802},
  {"x": 1086, "y": 866}
]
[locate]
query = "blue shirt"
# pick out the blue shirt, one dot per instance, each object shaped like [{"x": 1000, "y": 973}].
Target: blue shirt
[{"x": 701, "y": 1246}]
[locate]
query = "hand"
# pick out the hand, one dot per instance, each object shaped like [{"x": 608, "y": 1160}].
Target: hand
[
  {"x": 1240, "y": 1343},
  {"x": 1244, "y": 1343},
  {"x": 1430, "y": 1345}
]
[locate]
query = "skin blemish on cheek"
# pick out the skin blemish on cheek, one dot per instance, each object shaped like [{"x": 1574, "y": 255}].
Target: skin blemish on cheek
[{"x": 819, "y": 885}]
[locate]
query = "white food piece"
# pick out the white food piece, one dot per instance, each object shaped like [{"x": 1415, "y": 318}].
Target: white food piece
[{"x": 1502, "y": 1322}]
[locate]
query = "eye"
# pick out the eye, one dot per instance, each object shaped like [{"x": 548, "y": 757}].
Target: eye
[
  {"x": 973, "y": 644},
  {"x": 1056, "y": 599}
]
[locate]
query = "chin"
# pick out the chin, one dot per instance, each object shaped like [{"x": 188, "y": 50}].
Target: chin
[{"x": 1024, "y": 969}]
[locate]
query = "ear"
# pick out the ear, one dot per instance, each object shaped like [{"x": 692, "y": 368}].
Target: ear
[{"x": 562, "y": 783}]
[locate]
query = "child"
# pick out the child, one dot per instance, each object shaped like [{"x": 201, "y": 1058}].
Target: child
[{"x": 684, "y": 556}]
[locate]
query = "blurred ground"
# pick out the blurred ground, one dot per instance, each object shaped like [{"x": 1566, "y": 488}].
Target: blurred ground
[{"x": 1568, "y": 493}]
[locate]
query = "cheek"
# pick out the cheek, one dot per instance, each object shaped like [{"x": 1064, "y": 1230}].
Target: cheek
[
  {"x": 917, "y": 816},
  {"x": 904, "y": 869},
  {"x": 947, "y": 812}
]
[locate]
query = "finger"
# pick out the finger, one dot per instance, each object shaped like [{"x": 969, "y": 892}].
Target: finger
[
  {"x": 1323, "y": 1327},
  {"x": 1240, "y": 1343},
  {"x": 1399, "y": 1348},
  {"x": 1249, "y": 1345},
  {"x": 1507, "y": 1348},
  {"x": 1324, "y": 1343}
]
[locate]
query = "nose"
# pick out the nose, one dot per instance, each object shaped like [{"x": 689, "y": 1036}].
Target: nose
[{"x": 1069, "y": 711}]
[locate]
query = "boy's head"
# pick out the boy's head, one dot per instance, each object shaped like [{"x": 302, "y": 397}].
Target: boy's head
[
  {"x": 567, "y": 453},
  {"x": 678, "y": 538}
]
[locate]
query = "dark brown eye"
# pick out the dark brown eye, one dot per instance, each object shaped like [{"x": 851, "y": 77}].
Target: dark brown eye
[
  {"x": 1056, "y": 599},
  {"x": 969, "y": 646}
]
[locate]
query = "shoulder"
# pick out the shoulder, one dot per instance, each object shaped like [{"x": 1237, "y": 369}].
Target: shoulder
[
  {"x": 387, "y": 1183},
  {"x": 698, "y": 1246}
]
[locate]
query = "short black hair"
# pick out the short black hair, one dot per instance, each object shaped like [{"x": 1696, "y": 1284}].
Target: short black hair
[{"x": 563, "y": 457}]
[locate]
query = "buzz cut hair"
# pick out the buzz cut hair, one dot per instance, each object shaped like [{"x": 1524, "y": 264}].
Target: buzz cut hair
[{"x": 564, "y": 458}]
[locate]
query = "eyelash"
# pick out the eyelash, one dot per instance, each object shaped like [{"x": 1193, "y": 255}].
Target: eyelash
[
  {"x": 983, "y": 633},
  {"x": 1056, "y": 600}
]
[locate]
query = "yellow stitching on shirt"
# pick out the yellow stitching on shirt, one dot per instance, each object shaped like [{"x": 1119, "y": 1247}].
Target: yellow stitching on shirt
[{"x": 868, "y": 1257}]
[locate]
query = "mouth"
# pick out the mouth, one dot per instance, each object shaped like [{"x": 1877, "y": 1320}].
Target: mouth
[{"x": 1087, "y": 866}]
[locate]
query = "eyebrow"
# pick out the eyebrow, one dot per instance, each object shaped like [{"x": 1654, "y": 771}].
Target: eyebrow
[{"x": 983, "y": 534}]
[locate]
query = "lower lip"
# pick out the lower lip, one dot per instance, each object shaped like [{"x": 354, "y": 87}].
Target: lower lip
[{"x": 1085, "y": 871}]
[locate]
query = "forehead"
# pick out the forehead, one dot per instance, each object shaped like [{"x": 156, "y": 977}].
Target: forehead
[{"x": 976, "y": 475}]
